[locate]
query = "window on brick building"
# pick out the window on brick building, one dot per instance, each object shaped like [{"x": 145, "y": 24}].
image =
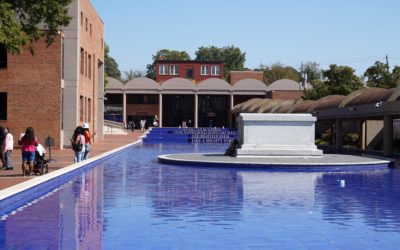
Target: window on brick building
[
  {"x": 215, "y": 70},
  {"x": 3, "y": 106},
  {"x": 90, "y": 67},
  {"x": 86, "y": 25},
  {"x": 89, "y": 110},
  {"x": 81, "y": 109},
  {"x": 174, "y": 70},
  {"x": 82, "y": 61},
  {"x": 86, "y": 64},
  {"x": 85, "y": 109},
  {"x": 90, "y": 29},
  {"x": 163, "y": 70},
  {"x": 204, "y": 70},
  {"x": 94, "y": 67},
  {"x": 102, "y": 43},
  {"x": 189, "y": 73},
  {"x": 81, "y": 18},
  {"x": 3, "y": 57}
]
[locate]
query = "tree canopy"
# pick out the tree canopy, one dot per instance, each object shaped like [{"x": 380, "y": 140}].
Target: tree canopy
[
  {"x": 340, "y": 80},
  {"x": 23, "y": 22},
  {"x": 380, "y": 76},
  {"x": 165, "y": 54},
  {"x": 312, "y": 70},
  {"x": 232, "y": 57},
  {"x": 110, "y": 65},
  {"x": 277, "y": 71}
]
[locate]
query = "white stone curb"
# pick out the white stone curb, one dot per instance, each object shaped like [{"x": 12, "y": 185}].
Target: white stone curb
[{"x": 5, "y": 193}]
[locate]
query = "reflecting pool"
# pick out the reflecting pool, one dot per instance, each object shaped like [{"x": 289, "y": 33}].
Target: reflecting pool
[{"x": 132, "y": 202}]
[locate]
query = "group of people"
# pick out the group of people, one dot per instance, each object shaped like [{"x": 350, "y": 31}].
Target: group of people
[
  {"x": 81, "y": 142},
  {"x": 6, "y": 148},
  {"x": 131, "y": 124},
  {"x": 28, "y": 143}
]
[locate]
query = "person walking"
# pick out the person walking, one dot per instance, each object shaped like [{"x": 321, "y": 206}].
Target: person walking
[
  {"x": 78, "y": 143},
  {"x": 88, "y": 140},
  {"x": 142, "y": 125},
  {"x": 9, "y": 146},
  {"x": 155, "y": 121},
  {"x": 132, "y": 125},
  {"x": 28, "y": 143},
  {"x": 2, "y": 145}
]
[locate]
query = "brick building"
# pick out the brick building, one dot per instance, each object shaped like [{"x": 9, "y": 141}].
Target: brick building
[
  {"x": 196, "y": 102},
  {"x": 189, "y": 69},
  {"x": 60, "y": 86}
]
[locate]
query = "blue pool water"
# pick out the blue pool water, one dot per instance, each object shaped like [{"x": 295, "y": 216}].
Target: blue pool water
[{"x": 132, "y": 202}]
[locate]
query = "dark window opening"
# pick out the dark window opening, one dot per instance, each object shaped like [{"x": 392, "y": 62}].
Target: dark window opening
[
  {"x": 189, "y": 73},
  {"x": 3, "y": 57},
  {"x": 142, "y": 99},
  {"x": 3, "y": 106}
]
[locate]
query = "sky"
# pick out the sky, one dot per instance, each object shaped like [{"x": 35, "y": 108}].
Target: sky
[{"x": 355, "y": 33}]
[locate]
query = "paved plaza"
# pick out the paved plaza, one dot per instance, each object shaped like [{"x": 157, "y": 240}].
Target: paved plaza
[{"x": 63, "y": 157}]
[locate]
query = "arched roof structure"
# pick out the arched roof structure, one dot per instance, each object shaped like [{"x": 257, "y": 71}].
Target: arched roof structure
[
  {"x": 284, "y": 84},
  {"x": 301, "y": 107},
  {"x": 268, "y": 106},
  {"x": 395, "y": 95},
  {"x": 114, "y": 85},
  {"x": 255, "y": 106},
  {"x": 215, "y": 85},
  {"x": 179, "y": 84},
  {"x": 366, "y": 96},
  {"x": 330, "y": 101},
  {"x": 248, "y": 103},
  {"x": 142, "y": 85},
  {"x": 249, "y": 87}
]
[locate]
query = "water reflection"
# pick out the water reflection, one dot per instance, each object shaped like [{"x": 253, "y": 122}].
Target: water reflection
[
  {"x": 68, "y": 218},
  {"x": 133, "y": 201}
]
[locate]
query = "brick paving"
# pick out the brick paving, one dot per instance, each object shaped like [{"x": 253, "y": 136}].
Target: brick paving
[{"x": 63, "y": 157}]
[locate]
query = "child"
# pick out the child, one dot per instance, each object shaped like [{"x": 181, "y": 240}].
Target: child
[{"x": 9, "y": 146}]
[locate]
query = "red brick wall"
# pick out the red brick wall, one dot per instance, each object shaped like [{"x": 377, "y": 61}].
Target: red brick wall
[
  {"x": 33, "y": 86},
  {"x": 197, "y": 77},
  {"x": 285, "y": 94},
  {"x": 142, "y": 109},
  {"x": 236, "y": 76}
]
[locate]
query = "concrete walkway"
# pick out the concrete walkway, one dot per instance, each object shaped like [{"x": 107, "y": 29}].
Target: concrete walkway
[{"x": 63, "y": 157}]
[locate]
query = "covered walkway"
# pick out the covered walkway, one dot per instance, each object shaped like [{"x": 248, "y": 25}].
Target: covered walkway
[{"x": 369, "y": 112}]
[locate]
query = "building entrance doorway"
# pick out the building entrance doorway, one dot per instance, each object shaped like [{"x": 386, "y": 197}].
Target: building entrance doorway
[
  {"x": 214, "y": 110},
  {"x": 178, "y": 110}
]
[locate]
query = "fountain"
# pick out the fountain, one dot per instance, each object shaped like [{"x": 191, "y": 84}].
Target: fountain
[{"x": 279, "y": 142}]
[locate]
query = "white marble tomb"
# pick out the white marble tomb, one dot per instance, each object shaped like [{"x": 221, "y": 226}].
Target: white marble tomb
[{"x": 265, "y": 135}]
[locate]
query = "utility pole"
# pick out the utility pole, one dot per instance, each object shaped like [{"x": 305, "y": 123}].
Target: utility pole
[{"x": 387, "y": 63}]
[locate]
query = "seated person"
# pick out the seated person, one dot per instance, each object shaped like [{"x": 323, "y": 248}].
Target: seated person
[{"x": 231, "y": 150}]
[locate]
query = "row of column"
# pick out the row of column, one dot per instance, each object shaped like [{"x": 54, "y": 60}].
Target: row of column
[
  {"x": 196, "y": 106},
  {"x": 387, "y": 135}
]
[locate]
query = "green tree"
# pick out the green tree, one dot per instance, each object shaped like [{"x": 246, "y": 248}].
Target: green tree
[
  {"x": 340, "y": 80},
  {"x": 23, "y": 22},
  {"x": 312, "y": 70},
  {"x": 279, "y": 71},
  {"x": 165, "y": 54},
  {"x": 232, "y": 57},
  {"x": 379, "y": 76},
  {"x": 110, "y": 65},
  {"x": 318, "y": 90}
]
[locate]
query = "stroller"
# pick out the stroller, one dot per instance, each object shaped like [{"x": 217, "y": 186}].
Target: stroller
[{"x": 40, "y": 164}]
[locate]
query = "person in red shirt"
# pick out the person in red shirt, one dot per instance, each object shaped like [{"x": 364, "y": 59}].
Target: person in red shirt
[
  {"x": 88, "y": 140},
  {"x": 28, "y": 143}
]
